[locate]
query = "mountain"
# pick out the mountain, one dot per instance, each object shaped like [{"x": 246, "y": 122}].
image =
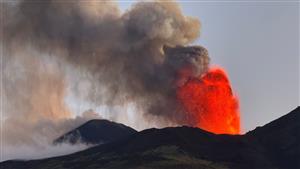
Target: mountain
[
  {"x": 281, "y": 139},
  {"x": 273, "y": 146},
  {"x": 96, "y": 132}
]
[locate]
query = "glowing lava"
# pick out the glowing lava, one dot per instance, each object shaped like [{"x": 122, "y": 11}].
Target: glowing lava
[{"x": 210, "y": 103}]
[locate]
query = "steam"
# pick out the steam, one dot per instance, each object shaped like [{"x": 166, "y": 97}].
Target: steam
[
  {"x": 94, "y": 52},
  {"x": 42, "y": 152}
]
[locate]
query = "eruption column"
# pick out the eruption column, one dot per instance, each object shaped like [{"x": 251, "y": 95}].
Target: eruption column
[{"x": 210, "y": 103}]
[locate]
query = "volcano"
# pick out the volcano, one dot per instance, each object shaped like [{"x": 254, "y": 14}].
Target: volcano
[
  {"x": 96, "y": 132},
  {"x": 273, "y": 146}
]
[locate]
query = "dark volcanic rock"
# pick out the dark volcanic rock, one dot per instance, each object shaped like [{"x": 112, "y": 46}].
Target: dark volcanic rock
[
  {"x": 96, "y": 132},
  {"x": 281, "y": 139},
  {"x": 273, "y": 146}
]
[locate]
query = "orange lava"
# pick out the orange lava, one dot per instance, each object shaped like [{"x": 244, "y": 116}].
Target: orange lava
[{"x": 210, "y": 103}]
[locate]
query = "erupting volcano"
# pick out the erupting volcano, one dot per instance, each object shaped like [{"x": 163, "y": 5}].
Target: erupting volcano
[{"x": 210, "y": 102}]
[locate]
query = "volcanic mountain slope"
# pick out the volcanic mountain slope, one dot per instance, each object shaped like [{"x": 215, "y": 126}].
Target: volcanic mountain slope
[
  {"x": 273, "y": 146},
  {"x": 281, "y": 139},
  {"x": 96, "y": 132}
]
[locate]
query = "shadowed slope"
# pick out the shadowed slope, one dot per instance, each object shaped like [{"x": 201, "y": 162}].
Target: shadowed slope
[
  {"x": 96, "y": 132},
  {"x": 273, "y": 146}
]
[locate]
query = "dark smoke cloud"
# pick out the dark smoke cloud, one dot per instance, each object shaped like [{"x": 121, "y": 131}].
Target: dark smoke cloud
[{"x": 133, "y": 56}]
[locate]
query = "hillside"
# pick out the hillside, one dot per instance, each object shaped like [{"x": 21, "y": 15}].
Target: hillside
[
  {"x": 96, "y": 132},
  {"x": 273, "y": 146}
]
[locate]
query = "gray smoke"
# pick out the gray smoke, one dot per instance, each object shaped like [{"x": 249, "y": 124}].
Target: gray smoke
[{"x": 133, "y": 57}]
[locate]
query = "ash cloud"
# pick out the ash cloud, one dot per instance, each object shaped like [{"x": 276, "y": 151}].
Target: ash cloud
[{"x": 131, "y": 57}]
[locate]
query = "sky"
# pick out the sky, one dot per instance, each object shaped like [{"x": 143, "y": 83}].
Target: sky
[{"x": 258, "y": 44}]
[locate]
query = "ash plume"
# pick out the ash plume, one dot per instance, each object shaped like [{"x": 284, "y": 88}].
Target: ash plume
[{"x": 130, "y": 57}]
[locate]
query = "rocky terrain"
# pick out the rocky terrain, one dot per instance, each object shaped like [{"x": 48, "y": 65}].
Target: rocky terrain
[{"x": 273, "y": 146}]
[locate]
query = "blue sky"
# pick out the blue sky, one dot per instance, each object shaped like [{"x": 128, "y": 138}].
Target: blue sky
[{"x": 258, "y": 44}]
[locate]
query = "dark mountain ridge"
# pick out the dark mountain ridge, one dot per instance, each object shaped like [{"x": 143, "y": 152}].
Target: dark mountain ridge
[
  {"x": 273, "y": 146},
  {"x": 281, "y": 139},
  {"x": 96, "y": 131}
]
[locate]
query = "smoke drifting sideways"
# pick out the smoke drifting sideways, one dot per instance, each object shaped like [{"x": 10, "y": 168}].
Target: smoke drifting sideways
[{"x": 51, "y": 47}]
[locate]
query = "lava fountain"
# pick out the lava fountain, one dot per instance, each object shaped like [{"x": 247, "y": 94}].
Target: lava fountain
[{"x": 210, "y": 102}]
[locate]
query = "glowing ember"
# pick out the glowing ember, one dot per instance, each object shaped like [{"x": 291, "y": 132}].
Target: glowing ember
[{"x": 210, "y": 103}]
